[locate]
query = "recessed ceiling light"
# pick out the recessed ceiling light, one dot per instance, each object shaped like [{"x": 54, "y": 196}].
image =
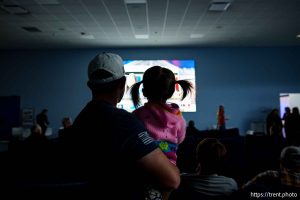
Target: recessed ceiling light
[
  {"x": 219, "y": 5},
  {"x": 135, "y": 1},
  {"x": 48, "y": 2},
  {"x": 84, "y": 35},
  {"x": 15, "y": 9},
  {"x": 196, "y": 36},
  {"x": 298, "y": 36},
  {"x": 145, "y": 36},
  {"x": 31, "y": 29}
]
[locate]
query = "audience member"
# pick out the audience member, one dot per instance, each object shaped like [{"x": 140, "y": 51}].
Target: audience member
[
  {"x": 295, "y": 126},
  {"x": 288, "y": 177},
  {"x": 66, "y": 123},
  {"x": 163, "y": 121},
  {"x": 34, "y": 155},
  {"x": 207, "y": 182},
  {"x": 113, "y": 149},
  {"x": 36, "y": 140},
  {"x": 191, "y": 129},
  {"x": 42, "y": 120},
  {"x": 287, "y": 124},
  {"x": 274, "y": 124}
]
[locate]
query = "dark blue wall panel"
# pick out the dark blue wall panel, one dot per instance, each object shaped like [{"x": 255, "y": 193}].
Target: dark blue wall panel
[{"x": 246, "y": 80}]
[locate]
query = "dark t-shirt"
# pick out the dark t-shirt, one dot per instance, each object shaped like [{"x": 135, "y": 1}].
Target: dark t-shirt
[{"x": 107, "y": 142}]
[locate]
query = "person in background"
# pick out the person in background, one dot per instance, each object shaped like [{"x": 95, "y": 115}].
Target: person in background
[
  {"x": 66, "y": 123},
  {"x": 191, "y": 129},
  {"x": 207, "y": 183},
  {"x": 288, "y": 177},
  {"x": 34, "y": 156},
  {"x": 295, "y": 126},
  {"x": 163, "y": 120},
  {"x": 287, "y": 124},
  {"x": 274, "y": 124},
  {"x": 36, "y": 139},
  {"x": 115, "y": 153},
  {"x": 221, "y": 119},
  {"x": 42, "y": 120}
]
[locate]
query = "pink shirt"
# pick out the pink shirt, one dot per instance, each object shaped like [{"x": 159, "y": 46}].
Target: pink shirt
[{"x": 163, "y": 121}]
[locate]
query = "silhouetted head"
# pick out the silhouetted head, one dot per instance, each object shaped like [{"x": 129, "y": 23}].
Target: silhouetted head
[
  {"x": 158, "y": 85},
  {"x": 210, "y": 156},
  {"x": 191, "y": 123},
  {"x": 287, "y": 110},
  {"x": 290, "y": 158},
  {"x": 106, "y": 74},
  {"x": 295, "y": 111},
  {"x": 66, "y": 122},
  {"x": 36, "y": 130},
  {"x": 221, "y": 108}
]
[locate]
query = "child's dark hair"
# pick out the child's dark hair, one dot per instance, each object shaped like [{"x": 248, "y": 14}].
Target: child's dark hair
[{"x": 159, "y": 85}]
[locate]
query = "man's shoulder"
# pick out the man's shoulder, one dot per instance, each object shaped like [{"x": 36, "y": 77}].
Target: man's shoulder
[{"x": 102, "y": 111}]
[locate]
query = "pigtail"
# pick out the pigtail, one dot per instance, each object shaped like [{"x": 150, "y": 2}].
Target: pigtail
[
  {"x": 186, "y": 87},
  {"x": 135, "y": 94}
]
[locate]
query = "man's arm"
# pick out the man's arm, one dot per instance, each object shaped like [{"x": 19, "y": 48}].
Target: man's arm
[{"x": 163, "y": 172}]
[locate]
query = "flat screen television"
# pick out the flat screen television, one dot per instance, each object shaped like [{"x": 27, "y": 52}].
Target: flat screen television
[{"x": 183, "y": 70}]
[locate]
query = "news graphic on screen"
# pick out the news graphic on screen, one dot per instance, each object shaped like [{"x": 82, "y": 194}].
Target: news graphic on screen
[{"x": 183, "y": 70}]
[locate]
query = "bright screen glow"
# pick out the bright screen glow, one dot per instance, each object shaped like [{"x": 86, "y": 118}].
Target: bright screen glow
[{"x": 183, "y": 70}]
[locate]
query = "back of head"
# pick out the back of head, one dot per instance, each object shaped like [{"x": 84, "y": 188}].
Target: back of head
[
  {"x": 191, "y": 123},
  {"x": 290, "y": 158},
  {"x": 295, "y": 110},
  {"x": 210, "y": 155},
  {"x": 105, "y": 72},
  {"x": 36, "y": 130},
  {"x": 66, "y": 122},
  {"x": 159, "y": 85}
]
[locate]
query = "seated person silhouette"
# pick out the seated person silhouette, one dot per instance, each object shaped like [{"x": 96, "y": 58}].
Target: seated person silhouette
[
  {"x": 283, "y": 180},
  {"x": 66, "y": 124},
  {"x": 191, "y": 129},
  {"x": 206, "y": 183},
  {"x": 36, "y": 141}
]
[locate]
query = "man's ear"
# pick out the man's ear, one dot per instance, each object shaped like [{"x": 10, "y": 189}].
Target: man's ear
[
  {"x": 121, "y": 89},
  {"x": 144, "y": 92},
  {"x": 122, "y": 83}
]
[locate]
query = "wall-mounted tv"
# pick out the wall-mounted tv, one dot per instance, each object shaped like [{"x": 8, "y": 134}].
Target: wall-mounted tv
[{"x": 183, "y": 70}]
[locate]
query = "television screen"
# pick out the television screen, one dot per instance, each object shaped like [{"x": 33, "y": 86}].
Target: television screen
[{"x": 183, "y": 70}]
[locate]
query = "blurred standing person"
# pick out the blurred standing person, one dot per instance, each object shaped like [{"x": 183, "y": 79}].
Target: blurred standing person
[
  {"x": 295, "y": 126},
  {"x": 274, "y": 123},
  {"x": 42, "y": 120},
  {"x": 221, "y": 119},
  {"x": 287, "y": 124}
]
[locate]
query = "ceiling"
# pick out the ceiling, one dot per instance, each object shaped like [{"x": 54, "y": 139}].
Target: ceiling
[{"x": 156, "y": 23}]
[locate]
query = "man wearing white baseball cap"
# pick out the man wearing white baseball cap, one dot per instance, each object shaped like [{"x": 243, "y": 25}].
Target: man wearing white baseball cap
[{"x": 117, "y": 156}]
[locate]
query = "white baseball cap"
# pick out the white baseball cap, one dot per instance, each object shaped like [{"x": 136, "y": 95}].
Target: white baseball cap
[{"x": 109, "y": 62}]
